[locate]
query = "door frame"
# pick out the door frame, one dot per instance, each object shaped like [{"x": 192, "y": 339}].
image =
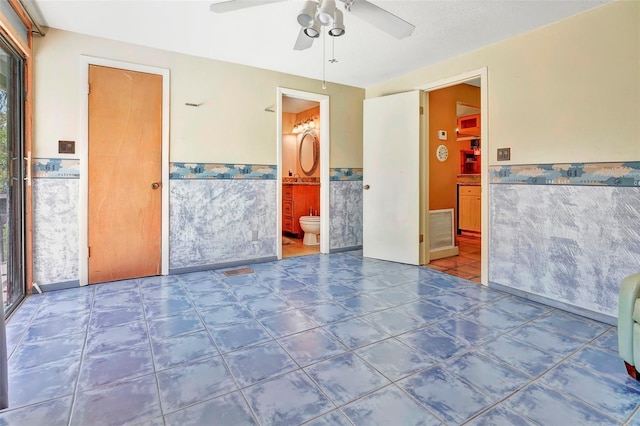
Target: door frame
[
  {"x": 83, "y": 155},
  {"x": 325, "y": 143},
  {"x": 481, "y": 73}
]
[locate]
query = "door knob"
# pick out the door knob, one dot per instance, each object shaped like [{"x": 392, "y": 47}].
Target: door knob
[
  {"x": 366, "y": 187},
  {"x": 155, "y": 185}
]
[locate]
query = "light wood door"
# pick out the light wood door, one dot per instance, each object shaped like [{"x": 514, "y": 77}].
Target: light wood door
[
  {"x": 125, "y": 156},
  {"x": 391, "y": 164}
]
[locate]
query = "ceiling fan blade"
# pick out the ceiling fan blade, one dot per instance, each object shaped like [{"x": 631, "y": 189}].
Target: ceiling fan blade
[
  {"x": 303, "y": 42},
  {"x": 384, "y": 20},
  {"x": 231, "y": 5}
]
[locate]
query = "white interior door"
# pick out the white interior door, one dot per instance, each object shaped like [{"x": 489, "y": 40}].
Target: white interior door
[{"x": 391, "y": 163}]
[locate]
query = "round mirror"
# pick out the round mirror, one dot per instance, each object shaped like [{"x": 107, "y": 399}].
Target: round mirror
[{"x": 308, "y": 153}]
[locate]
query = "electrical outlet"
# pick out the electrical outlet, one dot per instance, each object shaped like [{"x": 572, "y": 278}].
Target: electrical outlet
[
  {"x": 442, "y": 135},
  {"x": 504, "y": 154},
  {"x": 254, "y": 235}
]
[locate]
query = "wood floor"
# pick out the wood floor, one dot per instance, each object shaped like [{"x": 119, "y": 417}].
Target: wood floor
[
  {"x": 292, "y": 247},
  {"x": 466, "y": 264}
]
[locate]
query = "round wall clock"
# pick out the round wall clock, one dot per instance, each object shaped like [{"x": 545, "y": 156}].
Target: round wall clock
[{"x": 442, "y": 153}]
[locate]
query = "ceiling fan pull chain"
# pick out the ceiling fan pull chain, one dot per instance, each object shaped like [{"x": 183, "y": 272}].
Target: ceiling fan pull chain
[
  {"x": 333, "y": 59},
  {"x": 324, "y": 64}
]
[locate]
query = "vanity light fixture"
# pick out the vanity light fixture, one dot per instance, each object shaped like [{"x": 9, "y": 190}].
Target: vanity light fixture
[{"x": 304, "y": 125}]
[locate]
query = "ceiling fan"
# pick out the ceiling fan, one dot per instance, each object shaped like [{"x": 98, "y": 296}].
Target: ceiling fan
[{"x": 324, "y": 13}]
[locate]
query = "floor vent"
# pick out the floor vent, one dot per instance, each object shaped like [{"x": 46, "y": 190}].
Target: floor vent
[
  {"x": 239, "y": 271},
  {"x": 441, "y": 229}
]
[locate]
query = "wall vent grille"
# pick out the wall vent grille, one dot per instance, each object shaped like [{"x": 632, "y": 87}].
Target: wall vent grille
[
  {"x": 239, "y": 271},
  {"x": 441, "y": 234}
]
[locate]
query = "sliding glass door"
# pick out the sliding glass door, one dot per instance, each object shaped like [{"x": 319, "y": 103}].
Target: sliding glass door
[{"x": 13, "y": 172}]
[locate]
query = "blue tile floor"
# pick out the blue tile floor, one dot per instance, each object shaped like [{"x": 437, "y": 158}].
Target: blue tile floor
[{"x": 319, "y": 340}]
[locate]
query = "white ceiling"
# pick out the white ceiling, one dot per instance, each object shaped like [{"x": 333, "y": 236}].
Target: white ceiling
[{"x": 264, "y": 36}]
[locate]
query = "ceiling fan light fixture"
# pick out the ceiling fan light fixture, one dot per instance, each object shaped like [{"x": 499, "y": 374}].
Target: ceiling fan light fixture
[
  {"x": 326, "y": 12},
  {"x": 307, "y": 14},
  {"x": 337, "y": 29},
  {"x": 313, "y": 31}
]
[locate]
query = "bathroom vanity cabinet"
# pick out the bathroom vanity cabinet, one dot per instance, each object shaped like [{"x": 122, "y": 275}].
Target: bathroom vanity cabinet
[{"x": 298, "y": 200}]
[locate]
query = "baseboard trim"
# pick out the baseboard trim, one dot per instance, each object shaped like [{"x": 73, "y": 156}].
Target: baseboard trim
[
  {"x": 222, "y": 265},
  {"x": 597, "y": 316},
  {"x": 343, "y": 249},
  {"x": 64, "y": 285}
]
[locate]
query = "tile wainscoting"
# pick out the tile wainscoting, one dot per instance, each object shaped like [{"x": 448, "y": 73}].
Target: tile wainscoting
[
  {"x": 345, "y": 196},
  {"x": 221, "y": 171},
  {"x": 58, "y": 168},
  {"x": 346, "y": 215},
  {"x": 566, "y": 239},
  {"x": 55, "y": 221},
  {"x": 212, "y": 222},
  {"x": 214, "y": 209},
  {"x": 589, "y": 174}
]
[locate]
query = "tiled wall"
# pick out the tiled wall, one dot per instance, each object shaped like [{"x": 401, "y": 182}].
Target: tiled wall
[
  {"x": 55, "y": 220},
  {"x": 221, "y": 171},
  {"x": 567, "y": 238},
  {"x": 345, "y": 194},
  {"x": 212, "y": 221},
  {"x": 625, "y": 174},
  {"x": 214, "y": 210}
]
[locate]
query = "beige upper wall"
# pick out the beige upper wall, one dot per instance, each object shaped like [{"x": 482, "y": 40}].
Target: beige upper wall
[
  {"x": 568, "y": 92},
  {"x": 231, "y": 126}
]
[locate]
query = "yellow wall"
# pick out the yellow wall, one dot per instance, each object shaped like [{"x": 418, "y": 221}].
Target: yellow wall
[
  {"x": 231, "y": 126},
  {"x": 442, "y": 116},
  {"x": 567, "y": 92}
]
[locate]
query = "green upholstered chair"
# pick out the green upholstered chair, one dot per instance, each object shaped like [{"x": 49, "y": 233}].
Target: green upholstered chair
[{"x": 629, "y": 324}]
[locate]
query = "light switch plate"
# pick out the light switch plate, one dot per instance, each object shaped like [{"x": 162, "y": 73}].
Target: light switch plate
[
  {"x": 66, "y": 147},
  {"x": 442, "y": 135},
  {"x": 504, "y": 154}
]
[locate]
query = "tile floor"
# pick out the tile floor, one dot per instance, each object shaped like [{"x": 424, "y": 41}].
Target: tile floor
[
  {"x": 466, "y": 264},
  {"x": 323, "y": 340}
]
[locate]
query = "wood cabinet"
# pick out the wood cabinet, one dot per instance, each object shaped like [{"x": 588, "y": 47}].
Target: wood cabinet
[
  {"x": 297, "y": 200},
  {"x": 469, "y": 125},
  {"x": 469, "y": 208}
]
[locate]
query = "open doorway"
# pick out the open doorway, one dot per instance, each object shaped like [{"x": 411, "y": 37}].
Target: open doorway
[
  {"x": 455, "y": 176},
  {"x": 301, "y": 143},
  {"x": 398, "y": 118},
  {"x": 303, "y": 173}
]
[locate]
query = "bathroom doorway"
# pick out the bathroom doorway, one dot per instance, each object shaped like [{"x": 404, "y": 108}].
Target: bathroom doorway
[{"x": 303, "y": 173}]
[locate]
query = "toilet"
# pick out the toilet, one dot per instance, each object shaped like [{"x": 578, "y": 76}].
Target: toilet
[{"x": 311, "y": 227}]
